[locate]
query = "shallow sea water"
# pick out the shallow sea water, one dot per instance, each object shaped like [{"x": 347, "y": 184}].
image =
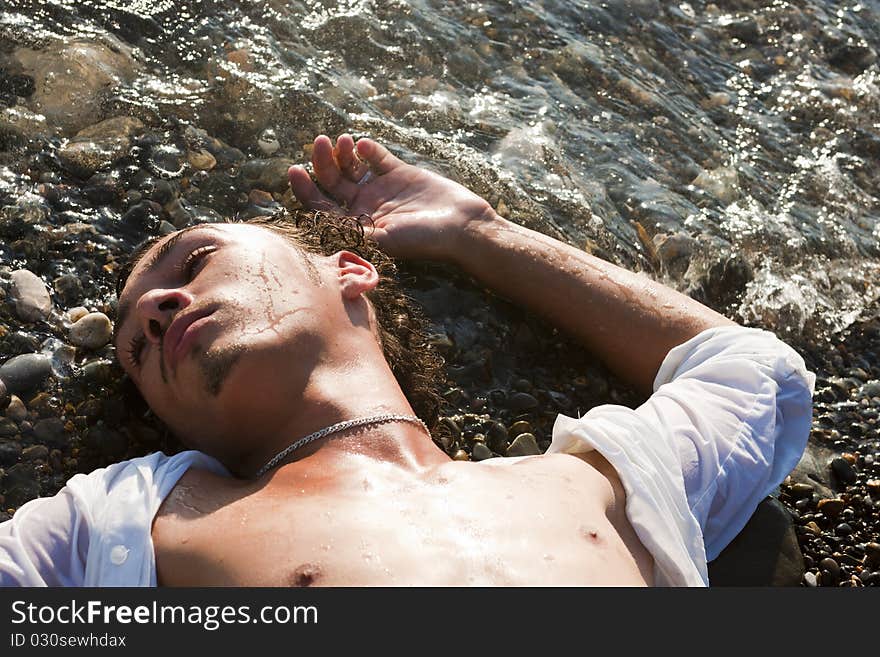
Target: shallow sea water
[{"x": 749, "y": 130}]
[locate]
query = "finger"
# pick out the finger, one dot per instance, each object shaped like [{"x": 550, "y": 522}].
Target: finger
[
  {"x": 351, "y": 166},
  {"x": 307, "y": 193},
  {"x": 377, "y": 156},
  {"x": 328, "y": 174}
]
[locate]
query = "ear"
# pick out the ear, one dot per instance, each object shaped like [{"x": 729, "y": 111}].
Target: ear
[{"x": 356, "y": 276}]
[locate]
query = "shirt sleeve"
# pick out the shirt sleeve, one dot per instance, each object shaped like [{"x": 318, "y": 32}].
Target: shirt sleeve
[
  {"x": 735, "y": 404},
  {"x": 45, "y": 543}
]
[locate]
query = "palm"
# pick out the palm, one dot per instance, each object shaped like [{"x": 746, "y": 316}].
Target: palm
[{"x": 415, "y": 213}]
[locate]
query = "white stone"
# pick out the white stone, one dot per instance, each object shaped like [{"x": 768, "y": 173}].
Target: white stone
[
  {"x": 92, "y": 331},
  {"x": 32, "y": 300}
]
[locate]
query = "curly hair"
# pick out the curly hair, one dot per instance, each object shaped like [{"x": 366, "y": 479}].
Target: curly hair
[{"x": 402, "y": 329}]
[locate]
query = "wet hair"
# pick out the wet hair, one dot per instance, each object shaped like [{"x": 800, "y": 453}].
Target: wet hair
[{"x": 402, "y": 328}]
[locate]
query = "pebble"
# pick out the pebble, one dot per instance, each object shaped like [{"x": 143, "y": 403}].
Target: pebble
[
  {"x": 51, "y": 431},
  {"x": 8, "y": 428},
  {"x": 830, "y": 566},
  {"x": 800, "y": 490},
  {"x": 481, "y": 452},
  {"x": 35, "y": 452},
  {"x": 843, "y": 529},
  {"x": 810, "y": 579},
  {"x": 524, "y": 445},
  {"x": 461, "y": 455},
  {"x": 69, "y": 288},
  {"x": 872, "y": 554},
  {"x": 10, "y": 453},
  {"x": 5, "y": 398},
  {"x": 201, "y": 160},
  {"x": 16, "y": 409},
  {"x": 843, "y": 470},
  {"x": 873, "y": 486},
  {"x": 831, "y": 507},
  {"x": 91, "y": 331},
  {"x": 496, "y": 436},
  {"x": 519, "y": 427},
  {"x": 32, "y": 300},
  {"x": 25, "y": 372},
  {"x": 522, "y": 401},
  {"x": 77, "y": 313}
]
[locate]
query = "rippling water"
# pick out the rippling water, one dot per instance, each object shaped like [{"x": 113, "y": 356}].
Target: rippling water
[{"x": 728, "y": 148}]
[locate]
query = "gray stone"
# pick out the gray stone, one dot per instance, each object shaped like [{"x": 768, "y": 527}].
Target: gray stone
[
  {"x": 722, "y": 183},
  {"x": 10, "y": 453},
  {"x": 34, "y": 453},
  {"x": 481, "y": 452},
  {"x": 8, "y": 428},
  {"x": 99, "y": 145},
  {"x": 524, "y": 445},
  {"x": 25, "y": 373},
  {"x": 843, "y": 471},
  {"x": 51, "y": 431},
  {"x": 274, "y": 175},
  {"x": 72, "y": 77},
  {"x": 92, "y": 331},
  {"x": 522, "y": 401},
  {"x": 110, "y": 443},
  {"x": 21, "y": 485},
  {"x": 764, "y": 553},
  {"x": 32, "y": 300}
]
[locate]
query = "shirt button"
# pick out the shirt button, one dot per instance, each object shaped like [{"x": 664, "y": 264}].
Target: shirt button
[{"x": 118, "y": 555}]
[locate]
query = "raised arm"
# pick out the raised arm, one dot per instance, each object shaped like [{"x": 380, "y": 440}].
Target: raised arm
[{"x": 628, "y": 320}]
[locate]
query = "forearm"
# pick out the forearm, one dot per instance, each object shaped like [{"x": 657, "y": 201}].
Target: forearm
[{"x": 626, "y": 319}]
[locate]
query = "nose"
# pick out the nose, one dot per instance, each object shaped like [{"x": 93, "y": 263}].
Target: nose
[{"x": 156, "y": 310}]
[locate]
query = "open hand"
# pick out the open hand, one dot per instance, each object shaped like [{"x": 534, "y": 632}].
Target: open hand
[{"x": 415, "y": 213}]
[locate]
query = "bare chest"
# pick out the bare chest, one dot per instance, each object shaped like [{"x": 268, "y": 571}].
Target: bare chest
[{"x": 548, "y": 521}]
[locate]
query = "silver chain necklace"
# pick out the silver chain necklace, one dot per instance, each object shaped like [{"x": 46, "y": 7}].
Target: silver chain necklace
[{"x": 333, "y": 428}]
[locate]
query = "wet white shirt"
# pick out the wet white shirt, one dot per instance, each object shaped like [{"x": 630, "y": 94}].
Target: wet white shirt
[{"x": 729, "y": 418}]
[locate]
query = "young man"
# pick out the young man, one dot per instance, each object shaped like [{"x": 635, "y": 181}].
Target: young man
[{"x": 253, "y": 351}]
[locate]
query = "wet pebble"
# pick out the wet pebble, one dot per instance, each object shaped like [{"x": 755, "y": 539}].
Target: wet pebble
[
  {"x": 481, "y": 452},
  {"x": 25, "y": 372},
  {"x": 843, "y": 470},
  {"x": 16, "y": 409},
  {"x": 843, "y": 529},
  {"x": 801, "y": 490},
  {"x": 831, "y": 507},
  {"x": 35, "y": 452},
  {"x": 92, "y": 331},
  {"x": 8, "y": 428},
  {"x": 872, "y": 554},
  {"x": 461, "y": 455},
  {"x": 68, "y": 288},
  {"x": 519, "y": 427},
  {"x": 522, "y": 401},
  {"x": 5, "y": 397},
  {"x": 51, "y": 431},
  {"x": 10, "y": 453},
  {"x": 523, "y": 445},
  {"x": 497, "y": 436},
  {"x": 810, "y": 579},
  {"x": 201, "y": 160},
  {"x": 32, "y": 300}
]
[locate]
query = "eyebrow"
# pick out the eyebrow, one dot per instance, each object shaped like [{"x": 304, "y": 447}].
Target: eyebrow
[{"x": 163, "y": 253}]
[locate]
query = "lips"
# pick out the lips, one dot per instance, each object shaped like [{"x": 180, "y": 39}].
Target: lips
[{"x": 181, "y": 334}]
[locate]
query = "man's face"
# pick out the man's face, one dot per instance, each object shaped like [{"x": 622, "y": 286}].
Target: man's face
[{"x": 218, "y": 325}]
